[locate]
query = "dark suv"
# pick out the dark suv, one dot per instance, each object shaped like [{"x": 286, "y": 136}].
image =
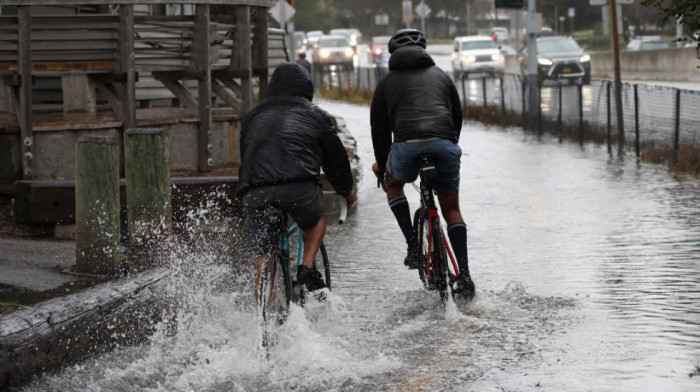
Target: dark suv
[{"x": 559, "y": 58}]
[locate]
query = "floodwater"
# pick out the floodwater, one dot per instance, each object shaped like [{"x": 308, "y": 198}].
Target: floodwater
[{"x": 587, "y": 269}]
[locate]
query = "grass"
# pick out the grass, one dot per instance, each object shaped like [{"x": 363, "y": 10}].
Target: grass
[
  {"x": 686, "y": 160},
  {"x": 348, "y": 94}
]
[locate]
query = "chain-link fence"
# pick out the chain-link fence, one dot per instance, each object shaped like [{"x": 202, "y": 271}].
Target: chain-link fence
[
  {"x": 651, "y": 113},
  {"x": 662, "y": 114}
]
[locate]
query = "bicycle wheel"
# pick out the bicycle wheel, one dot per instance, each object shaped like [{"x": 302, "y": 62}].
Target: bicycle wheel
[
  {"x": 322, "y": 265},
  {"x": 439, "y": 267},
  {"x": 420, "y": 228},
  {"x": 275, "y": 293}
]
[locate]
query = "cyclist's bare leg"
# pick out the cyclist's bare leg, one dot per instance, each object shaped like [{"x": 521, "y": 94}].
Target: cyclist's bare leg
[
  {"x": 449, "y": 204},
  {"x": 259, "y": 263},
  {"x": 393, "y": 186},
  {"x": 312, "y": 241}
]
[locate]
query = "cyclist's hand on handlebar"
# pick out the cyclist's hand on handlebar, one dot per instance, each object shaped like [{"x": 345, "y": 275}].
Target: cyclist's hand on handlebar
[
  {"x": 379, "y": 174},
  {"x": 351, "y": 198}
]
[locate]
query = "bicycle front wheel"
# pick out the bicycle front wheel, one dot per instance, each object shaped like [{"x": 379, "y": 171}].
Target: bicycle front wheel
[
  {"x": 322, "y": 265},
  {"x": 439, "y": 267},
  {"x": 275, "y": 292}
]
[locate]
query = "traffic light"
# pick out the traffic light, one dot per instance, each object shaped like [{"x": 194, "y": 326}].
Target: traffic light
[{"x": 510, "y": 3}]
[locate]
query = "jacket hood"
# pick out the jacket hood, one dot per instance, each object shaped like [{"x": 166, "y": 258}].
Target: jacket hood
[
  {"x": 290, "y": 80},
  {"x": 410, "y": 57}
]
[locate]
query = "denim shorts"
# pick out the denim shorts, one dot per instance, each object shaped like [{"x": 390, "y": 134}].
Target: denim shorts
[
  {"x": 266, "y": 210},
  {"x": 403, "y": 163}
]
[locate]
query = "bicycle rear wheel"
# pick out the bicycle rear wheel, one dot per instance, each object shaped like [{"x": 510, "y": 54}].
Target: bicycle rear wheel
[
  {"x": 275, "y": 293},
  {"x": 420, "y": 228}
]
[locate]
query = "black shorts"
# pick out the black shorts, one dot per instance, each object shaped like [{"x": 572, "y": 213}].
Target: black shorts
[{"x": 266, "y": 210}]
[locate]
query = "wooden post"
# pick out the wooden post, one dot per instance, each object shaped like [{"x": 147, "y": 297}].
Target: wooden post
[
  {"x": 148, "y": 195},
  {"x": 580, "y": 114},
  {"x": 125, "y": 65},
  {"x": 483, "y": 91},
  {"x": 24, "y": 69},
  {"x": 677, "y": 127},
  {"x": 97, "y": 205},
  {"x": 243, "y": 58},
  {"x": 261, "y": 48},
  {"x": 636, "y": 122},
  {"x": 202, "y": 62}
]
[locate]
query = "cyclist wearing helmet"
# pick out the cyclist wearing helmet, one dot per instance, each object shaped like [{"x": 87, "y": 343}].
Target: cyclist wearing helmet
[{"x": 418, "y": 104}]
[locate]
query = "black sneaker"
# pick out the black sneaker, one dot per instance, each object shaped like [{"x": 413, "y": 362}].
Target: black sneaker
[
  {"x": 310, "y": 277},
  {"x": 414, "y": 259},
  {"x": 464, "y": 288}
]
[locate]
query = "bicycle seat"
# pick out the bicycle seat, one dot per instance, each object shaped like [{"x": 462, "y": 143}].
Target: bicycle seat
[{"x": 428, "y": 173}]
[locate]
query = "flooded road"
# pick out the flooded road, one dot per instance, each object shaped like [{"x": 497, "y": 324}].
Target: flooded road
[{"x": 587, "y": 272}]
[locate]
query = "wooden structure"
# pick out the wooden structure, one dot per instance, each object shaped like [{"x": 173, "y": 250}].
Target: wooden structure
[
  {"x": 221, "y": 53},
  {"x": 194, "y": 74}
]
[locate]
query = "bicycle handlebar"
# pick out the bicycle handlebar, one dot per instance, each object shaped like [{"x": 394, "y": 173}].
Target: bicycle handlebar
[{"x": 343, "y": 210}]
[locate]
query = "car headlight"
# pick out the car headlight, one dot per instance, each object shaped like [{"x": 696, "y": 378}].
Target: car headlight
[
  {"x": 585, "y": 58},
  {"x": 377, "y": 51},
  {"x": 544, "y": 61},
  {"x": 324, "y": 53},
  {"x": 348, "y": 52},
  {"x": 497, "y": 57},
  {"x": 470, "y": 59}
]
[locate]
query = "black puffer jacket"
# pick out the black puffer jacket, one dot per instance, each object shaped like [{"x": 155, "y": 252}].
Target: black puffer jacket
[
  {"x": 415, "y": 99},
  {"x": 288, "y": 139}
]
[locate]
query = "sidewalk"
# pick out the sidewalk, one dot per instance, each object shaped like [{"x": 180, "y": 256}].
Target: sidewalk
[{"x": 32, "y": 264}]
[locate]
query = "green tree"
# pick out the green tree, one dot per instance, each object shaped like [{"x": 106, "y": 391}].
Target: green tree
[
  {"x": 685, "y": 11},
  {"x": 315, "y": 15}
]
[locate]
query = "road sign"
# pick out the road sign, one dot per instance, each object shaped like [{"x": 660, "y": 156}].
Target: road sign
[
  {"x": 407, "y": 11},
  {"x": 607, "y": 22},
  {"x": 572, "y": 12},
  {"x": 422, "y": 10},
  {"x": 282, "y": 11}
]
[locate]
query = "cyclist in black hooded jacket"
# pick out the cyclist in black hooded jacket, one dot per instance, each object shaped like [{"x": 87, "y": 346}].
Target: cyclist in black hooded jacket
[
  {"x": 417, "y": 104},
  {"x": 285, "y": 141}
]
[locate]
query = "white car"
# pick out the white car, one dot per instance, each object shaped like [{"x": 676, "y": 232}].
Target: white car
[{"x": 476, "y": 54}]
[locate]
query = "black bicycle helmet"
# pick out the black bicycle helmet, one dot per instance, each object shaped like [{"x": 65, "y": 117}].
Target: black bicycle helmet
[{"x": 406, "y": 37}]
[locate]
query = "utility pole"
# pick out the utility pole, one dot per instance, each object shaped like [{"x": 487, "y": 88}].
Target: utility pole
[
  {"x": 532, "y": 79},
  {"x": 618, "y": 78},
  {"x": 469, "y": 15}
]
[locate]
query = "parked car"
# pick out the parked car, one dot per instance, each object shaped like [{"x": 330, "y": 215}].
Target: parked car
[
  {"x": 647, "y": 43},
  {"x": 334, "y": 50},
  {"x": 559, "y": 58},
  {"x": 476, "y": 54},
  {"x": 378, "y": 45}
]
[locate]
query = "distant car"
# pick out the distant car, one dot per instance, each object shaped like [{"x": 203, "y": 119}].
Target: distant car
[
  {"x": 476, "y": 54},
  {"x": 334, "y": 50},
  {"x": 313, "y": 36},
  {"x": 502, "y": 35},
  {"x": 378, "y": 45},
  {"x": 559, "y": 58},
  {"x": 353, "y": 36},
  {"x": 300, "y": 42},
  {"x": 647, "y": 43}
]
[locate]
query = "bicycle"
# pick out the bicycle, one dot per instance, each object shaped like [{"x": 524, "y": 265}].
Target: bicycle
[
  {"x": 278, "y": 287},
  {"x": 434, "y": 272}
]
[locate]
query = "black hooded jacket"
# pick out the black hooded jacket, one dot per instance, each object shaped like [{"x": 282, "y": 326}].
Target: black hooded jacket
[
  {"x": 414, "y": 100},
  {"x": 287, "y": 139}
]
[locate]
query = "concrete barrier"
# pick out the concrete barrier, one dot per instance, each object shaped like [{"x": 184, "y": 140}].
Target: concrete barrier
[{"x": 674, "y": 64}]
